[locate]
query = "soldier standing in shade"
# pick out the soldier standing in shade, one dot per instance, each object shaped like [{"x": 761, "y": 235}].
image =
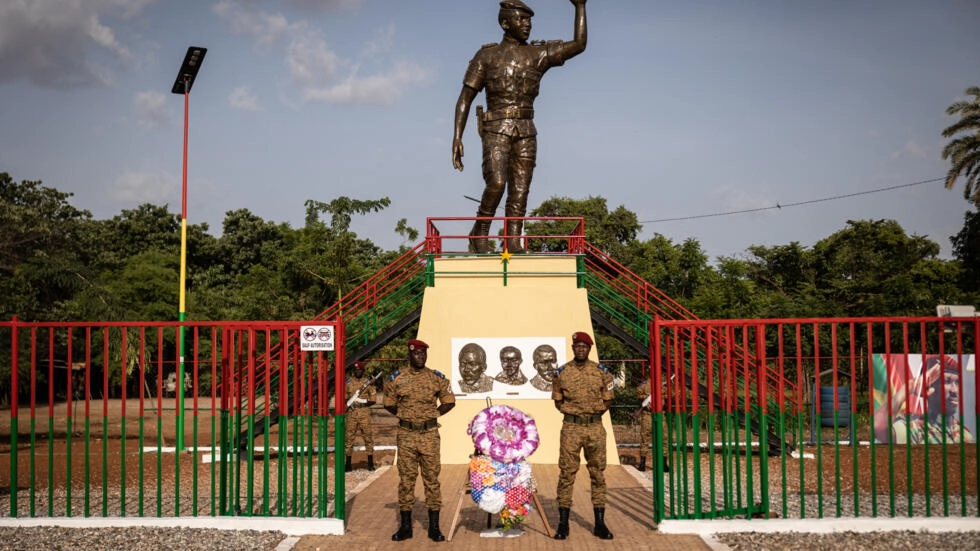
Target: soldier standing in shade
[
  {"x": 472, "y": 369},
  {"x": 358, "y": 414},
  {"x": 583, "y": 391},
  {"x": 546, "y": 364},
  {"x": 417, "y": 397},
  {"x": 510, "y": 72}
]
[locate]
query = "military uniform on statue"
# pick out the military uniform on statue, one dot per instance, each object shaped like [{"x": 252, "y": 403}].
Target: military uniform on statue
[{"x": 510, "y": 72}]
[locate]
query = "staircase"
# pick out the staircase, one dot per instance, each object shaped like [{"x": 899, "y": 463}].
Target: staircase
[{"x": 622, "y": 303}]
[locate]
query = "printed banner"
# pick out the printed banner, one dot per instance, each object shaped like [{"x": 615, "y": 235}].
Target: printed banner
[{"x": 924, "y": 398}]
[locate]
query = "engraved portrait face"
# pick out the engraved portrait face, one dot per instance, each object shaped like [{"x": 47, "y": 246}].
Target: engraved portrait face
[
  {"x": 546, "y": 362},
  {"x": 472, "y": 363},
  {"x": 510, "y": 363}
]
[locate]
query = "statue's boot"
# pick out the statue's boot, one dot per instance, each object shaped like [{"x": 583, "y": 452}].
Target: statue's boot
[
  {"x": 515, "y": 243},
  {"x": 479, "y": 242}
]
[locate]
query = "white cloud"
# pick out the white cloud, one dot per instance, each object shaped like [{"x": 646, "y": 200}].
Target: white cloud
[
  {"x": 55, "y": 43},
  {"x": 310, "y": 62},
  {"x": 267, "y": 29},
  {"x": 152, "y": 109},
  {"x": 322, "y": 6},
  {"x": 383, "y": 89},
  {"x": 912, "y": 150},
  {"x": 241, "y": 99},
  {"x": 319, "y": 72},
  {"x": 382, "y": 44},
  {"x": 136, "y": 188}
]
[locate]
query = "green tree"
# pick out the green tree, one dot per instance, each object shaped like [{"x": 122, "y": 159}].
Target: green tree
[
  {"x": 872, "y": 268},
  {"x": 41, "y": 257},
  {"x": 966, "y": 249},
  {"x": 609, "y": 231},
  {"x": 964, "y": 150}
]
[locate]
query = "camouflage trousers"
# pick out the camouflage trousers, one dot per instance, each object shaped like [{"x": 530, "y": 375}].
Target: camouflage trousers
[
  {"x": 646, "y": 435},
  {"x": 359, "y": 422},
  {"x": 575, "y": 439},
  {"x": 418, "y": 452}
]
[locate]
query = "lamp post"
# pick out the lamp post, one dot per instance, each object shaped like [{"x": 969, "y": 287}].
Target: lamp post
[{"x": 182, "y": 85}]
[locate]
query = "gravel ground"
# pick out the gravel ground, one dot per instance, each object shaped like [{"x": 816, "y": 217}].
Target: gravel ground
[
  {"x": 135, "y": 539},
  {"x": 865, "y": 541}
]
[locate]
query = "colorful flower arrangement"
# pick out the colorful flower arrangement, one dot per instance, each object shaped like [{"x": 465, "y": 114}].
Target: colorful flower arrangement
[
  {"x": 504, "y": 433},
  {"x": 500, "y": 477}
]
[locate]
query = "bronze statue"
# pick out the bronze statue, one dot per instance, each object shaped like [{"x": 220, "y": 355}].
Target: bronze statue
[
  {"x": 546, "y": 364},
  {"x": 510, "y": 72},
  {"x": 510, "y": 364},
  {"x": 472, "y": 369}
]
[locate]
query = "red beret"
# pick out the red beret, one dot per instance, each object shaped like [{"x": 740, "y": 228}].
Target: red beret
[
  {"x": 359, "y": 364},
  {"x": 416, "y": 344},
  {"x": 582, "y": 336}
]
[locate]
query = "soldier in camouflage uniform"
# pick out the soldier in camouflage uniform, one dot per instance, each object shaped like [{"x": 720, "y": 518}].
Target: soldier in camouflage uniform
[
  {"x": 583, "y": 391},
  {"x": 417, "y": 397},
  {"x": 358, "y": 414},
  {"x": 511, "y": 73},
  {"x": 646, "y": 426}
]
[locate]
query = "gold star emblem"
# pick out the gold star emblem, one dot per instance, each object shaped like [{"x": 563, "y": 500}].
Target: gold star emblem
[{"x": 505, "y": 256}]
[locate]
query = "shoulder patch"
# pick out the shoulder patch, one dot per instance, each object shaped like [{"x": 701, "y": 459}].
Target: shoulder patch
[
  {"x": 604, "y": 369},
  {"x": 439, "y": 373},
  {"x": 559, "y": 370},
  {"x": 347, "y": 380},
  {"x": 394, "y": 375},
  {"x": 538, "y": 42}
]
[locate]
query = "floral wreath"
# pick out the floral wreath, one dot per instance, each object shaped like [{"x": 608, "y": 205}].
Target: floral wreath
[
  {"x": 504, "y": 433},
  {"x": 500, "y": 477}
]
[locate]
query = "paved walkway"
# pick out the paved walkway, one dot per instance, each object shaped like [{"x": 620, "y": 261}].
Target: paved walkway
[{"x": 372, "y": 517}]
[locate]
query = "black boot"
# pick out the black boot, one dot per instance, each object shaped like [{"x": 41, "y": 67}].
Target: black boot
[
  {"x": 405, "y": 528},
  {"x": 370, "y": 462},
  {"x": 601, "y": 531},
  {"x": 643, "y": 464},
  {"x": 514, "y": 229},
  {"x": 562, "y": 531},
  {"x": 434, "y": 533},
  {"x": 480, "y": 244},
  {"x": 347, "y": 466}
]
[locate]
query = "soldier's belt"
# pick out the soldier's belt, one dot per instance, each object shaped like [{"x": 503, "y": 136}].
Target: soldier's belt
[
  {"x": 583, "y": 419},
  {"x": 424, "y": 425},
  {"x": 508, "y": 113}
]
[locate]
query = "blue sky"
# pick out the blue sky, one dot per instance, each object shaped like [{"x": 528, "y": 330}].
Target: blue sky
[{"x": 676, "y": 109}]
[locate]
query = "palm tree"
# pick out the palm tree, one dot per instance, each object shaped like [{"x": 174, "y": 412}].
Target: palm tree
[{"x": 964, "y": 151}]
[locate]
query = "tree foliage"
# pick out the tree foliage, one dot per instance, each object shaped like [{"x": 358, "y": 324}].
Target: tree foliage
[{"x": 963, "y": 151}]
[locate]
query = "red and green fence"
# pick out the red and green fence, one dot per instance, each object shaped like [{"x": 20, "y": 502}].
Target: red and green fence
[
  {"x": 880, "y": 422},
  {"x": 878, "y": 419},
  {"x": 93, "y": 413}
]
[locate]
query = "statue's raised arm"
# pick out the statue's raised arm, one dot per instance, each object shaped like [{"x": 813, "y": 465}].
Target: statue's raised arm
[{"x": 509, "y": 72}]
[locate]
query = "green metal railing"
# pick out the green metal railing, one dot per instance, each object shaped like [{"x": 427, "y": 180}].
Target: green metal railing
[
  {"x": 855, "y": 462},
  {"x": 92, "y": 423}
]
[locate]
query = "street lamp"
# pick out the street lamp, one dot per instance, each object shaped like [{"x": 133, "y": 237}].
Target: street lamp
[{"x": 182, "y": 85}]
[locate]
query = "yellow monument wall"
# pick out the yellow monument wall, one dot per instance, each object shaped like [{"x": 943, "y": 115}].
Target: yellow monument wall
[{"x": 474, "y": 298}]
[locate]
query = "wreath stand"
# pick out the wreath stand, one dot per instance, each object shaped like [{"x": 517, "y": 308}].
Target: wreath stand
[{"x": 465, "y": 490}]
